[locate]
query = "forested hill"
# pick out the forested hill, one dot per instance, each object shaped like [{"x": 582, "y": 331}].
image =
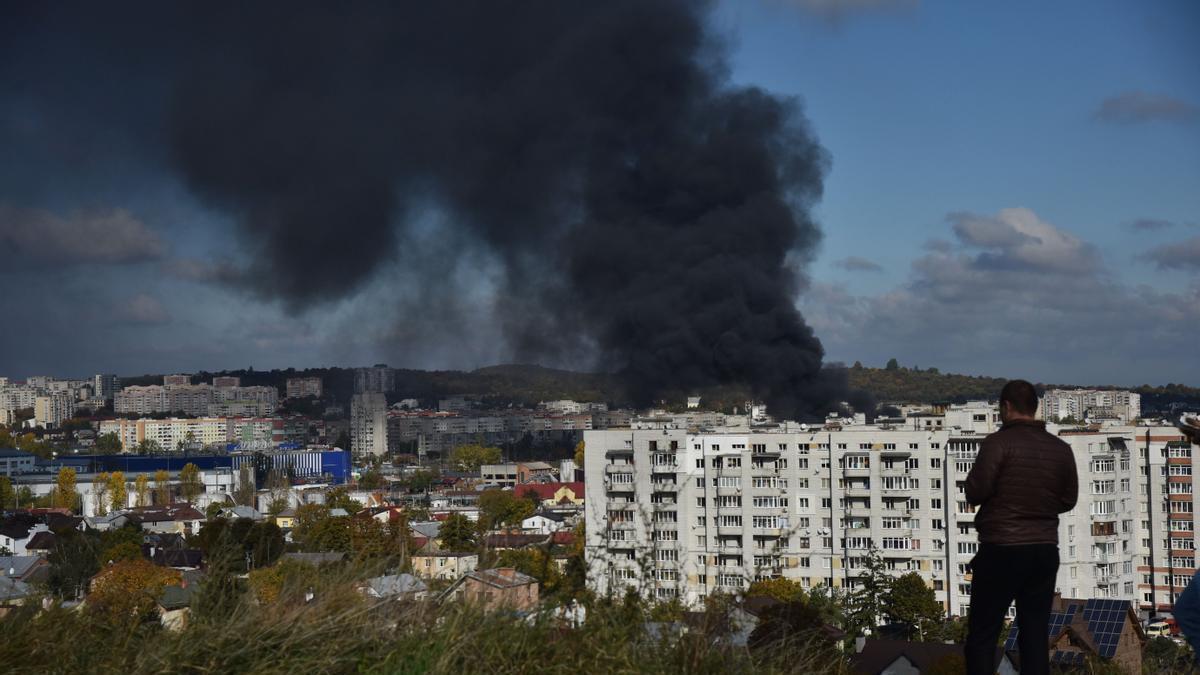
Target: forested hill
[{"x": 527, "y": 384}]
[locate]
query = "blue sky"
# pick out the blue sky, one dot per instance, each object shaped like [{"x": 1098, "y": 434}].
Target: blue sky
[{"x": 1014, "y": 190}]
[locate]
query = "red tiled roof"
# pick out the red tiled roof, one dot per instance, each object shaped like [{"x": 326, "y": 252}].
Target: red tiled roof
[{"x": 546, "y": 490}]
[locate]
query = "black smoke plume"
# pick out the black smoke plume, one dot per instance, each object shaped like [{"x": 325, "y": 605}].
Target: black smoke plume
[{"x": 645, "y": 211}]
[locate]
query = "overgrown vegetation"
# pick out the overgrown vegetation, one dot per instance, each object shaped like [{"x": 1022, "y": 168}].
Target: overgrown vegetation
[{"x": 280, "y": 630}]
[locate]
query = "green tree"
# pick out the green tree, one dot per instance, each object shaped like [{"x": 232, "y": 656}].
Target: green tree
[
  {"x": 457, "y": 533},
  {"x": 100, "y": 490},
  {"x": 502, "y": 507},
  {"x": 220, "y": 591},
  {"x": 65, "y": 496},
  {"x": 243, "y": 494},
  {"x": 122, "y": 543},
  {"x": 338, "y": 498},
  {"x": 190, "y": 485},
  {"x": 149, "y": 447},
  {"x": 162, "y": 487},
  {"x": 910, "y": 602},
  {"x": 371, "y": 480},
  {"x": 866, "y": 602},
  {"x": 792, "y": 635},
  {"x": 472, "y": 456},
  {"x": 108, "y": 444},
  {"x": 141, "y": 489},
  {"x": 783, "y": 590},
  {"x": 73, "y": 561},
  {"x": 892, "y": 364},
  {"x": 8, "y": 496},
  {"x": 119, "y": 494}
]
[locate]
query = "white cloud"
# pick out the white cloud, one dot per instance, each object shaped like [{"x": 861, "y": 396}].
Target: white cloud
[
  {"x": 109, "y": 236},
  {"x": 1016, "y": 296}
]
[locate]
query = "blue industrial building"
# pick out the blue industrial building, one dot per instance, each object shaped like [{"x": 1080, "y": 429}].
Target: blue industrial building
[{"x": 322, "y": 465}]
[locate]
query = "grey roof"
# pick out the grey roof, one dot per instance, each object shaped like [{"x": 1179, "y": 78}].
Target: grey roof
[
  {"x": 12, "y": 589},
  {"x": 175, "y": 597},
  {"x": 240, "y": 511},
  {"x": 393, "y": 585},
  {"x": 315, "y": 558},
  {"x": 17, "y": 565},
  {"x": 338, "y": 512},
  {"x": 428, "y": 530}
]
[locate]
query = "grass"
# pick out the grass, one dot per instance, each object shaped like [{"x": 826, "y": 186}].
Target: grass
[{"x": 340, "y": 632}]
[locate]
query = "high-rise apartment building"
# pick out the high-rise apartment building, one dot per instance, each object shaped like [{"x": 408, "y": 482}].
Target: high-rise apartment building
[
  {"x": 104, "y": 386},
  {"x": 1097, "y": 404},
  {"x": 175, "y": 380},
  {"x": 227, "y": 381},
  {"x": 300, "y": 387},
  {"x": 368, "y": 424},
  {"x": 376, "y": 378},
  {"x": 52, "y": 409},
  {"x": 195, "y": 399},
  {"x": 679, "y": 513}
]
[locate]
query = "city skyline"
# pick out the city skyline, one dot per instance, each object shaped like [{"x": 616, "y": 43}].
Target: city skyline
[{"x": 1008, "y": 193}]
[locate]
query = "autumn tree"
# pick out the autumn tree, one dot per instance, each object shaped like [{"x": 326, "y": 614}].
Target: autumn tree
[
  {"x": 126, "y": 591},
  {"x": 579, "y": 456},
  {"x": 472, "y": 456},
  {"x": 117, "y": 490},
  {"x": 100, "y": 492},
  {"x": 141, "y": 489},
  {"x": 783, "y": 590},
  {"x": 162, "y": 487},
  {"x": 339, "y": 498},
  {"x": 457, "y": 533},
  {"x": 190, "y": 485},
  {"x": 65, "y": 495}
]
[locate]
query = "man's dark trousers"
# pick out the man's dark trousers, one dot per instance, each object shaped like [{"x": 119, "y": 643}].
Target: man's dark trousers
[{"x": 999, "y": 575}]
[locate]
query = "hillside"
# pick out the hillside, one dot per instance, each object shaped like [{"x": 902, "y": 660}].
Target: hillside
[{"x": 528, "y": 384}]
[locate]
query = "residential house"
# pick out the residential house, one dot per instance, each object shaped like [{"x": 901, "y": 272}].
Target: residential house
[
  {"x": 554, "y": 494},
  {"x": 180, "y": 518},
  {"x": 17, "y": 532},
  {"x": 499, "y": 588},
  {"x": 543, "y": 523},
  {"x": 41, "y": 543},
  {"x": 900, "y": 657},
  {"x": 30, "y": 569},
  {"x": 239, "y": 511},
  {"x": 174, "y": 606},
  {"x": 535, "y": 472},
  {"x": 394, "y": 587},
  {"x": 444, "y": 564},
  {"x": 1104, "y": 627},
  {"x": 286, "y": 519}
]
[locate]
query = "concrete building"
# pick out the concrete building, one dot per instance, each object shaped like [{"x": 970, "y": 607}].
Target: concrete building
[
  {"x": 14, "y": 461},
  {"x": 226, "y": 381},
  {"x": 170, "y": 380},
  {"x": 169, "y": 434},
  {"x": 193, "y": 399},
  {"x": 711, "y": 511},
  {"x": 368, "y": 424},
  {"x": 53, "y": 408},
  {"x": 377, "y": 378},
  {"x": 301, "y": 387},
  {"x": 105, "y": 386},
  {"x": 1096, "y": 404}
]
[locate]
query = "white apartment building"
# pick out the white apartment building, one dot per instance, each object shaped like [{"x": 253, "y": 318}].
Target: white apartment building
[
  {"x": 192, "y": 399},
  {"x": 368, "y": 423},
  {"x": 1080, "y": 404},
  {"x": 300, "y": 387},
  {"x": 377, "y": 378},
  {"x": 51, "y": 409},
  {"x": 675, "y": 513},
  {"x": 169, "y": 433}
]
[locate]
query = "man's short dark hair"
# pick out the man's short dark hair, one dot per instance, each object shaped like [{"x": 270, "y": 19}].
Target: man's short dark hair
[{"x": 1021, "y": 395}]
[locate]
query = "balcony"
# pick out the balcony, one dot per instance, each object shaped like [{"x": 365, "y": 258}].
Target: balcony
[
  {"x": 614, "y": 542},
  {"x": 859, "y": 511},
  {"x": 898, "y": 451},
  {"x": 856, "y": 472},
  {"x": 730, "y": 530},
  {"x": 896, "y": 553},
  {"x": 855, "y": 490},
  {"x": 664, "y": 487},
  {"x": 610, "y": 469},
  {"x": 618, "y": 452},
  {"x": 618, "y": 487},
  {"x": 726, "y": 491},
  {"x": 895, "y": 471}
]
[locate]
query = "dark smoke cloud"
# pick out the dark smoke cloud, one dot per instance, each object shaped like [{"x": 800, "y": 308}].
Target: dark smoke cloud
[{"x": 643, "y": 210}]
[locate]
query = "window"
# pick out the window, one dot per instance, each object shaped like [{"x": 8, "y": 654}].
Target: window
[{"x": 935, "y": 463}]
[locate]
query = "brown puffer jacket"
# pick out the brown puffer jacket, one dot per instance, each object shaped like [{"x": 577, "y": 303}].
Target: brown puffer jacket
[{"x": 1022, "y": 479}]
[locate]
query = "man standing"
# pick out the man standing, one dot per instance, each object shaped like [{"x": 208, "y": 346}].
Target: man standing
[{"x": 1022, "y": 479}]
